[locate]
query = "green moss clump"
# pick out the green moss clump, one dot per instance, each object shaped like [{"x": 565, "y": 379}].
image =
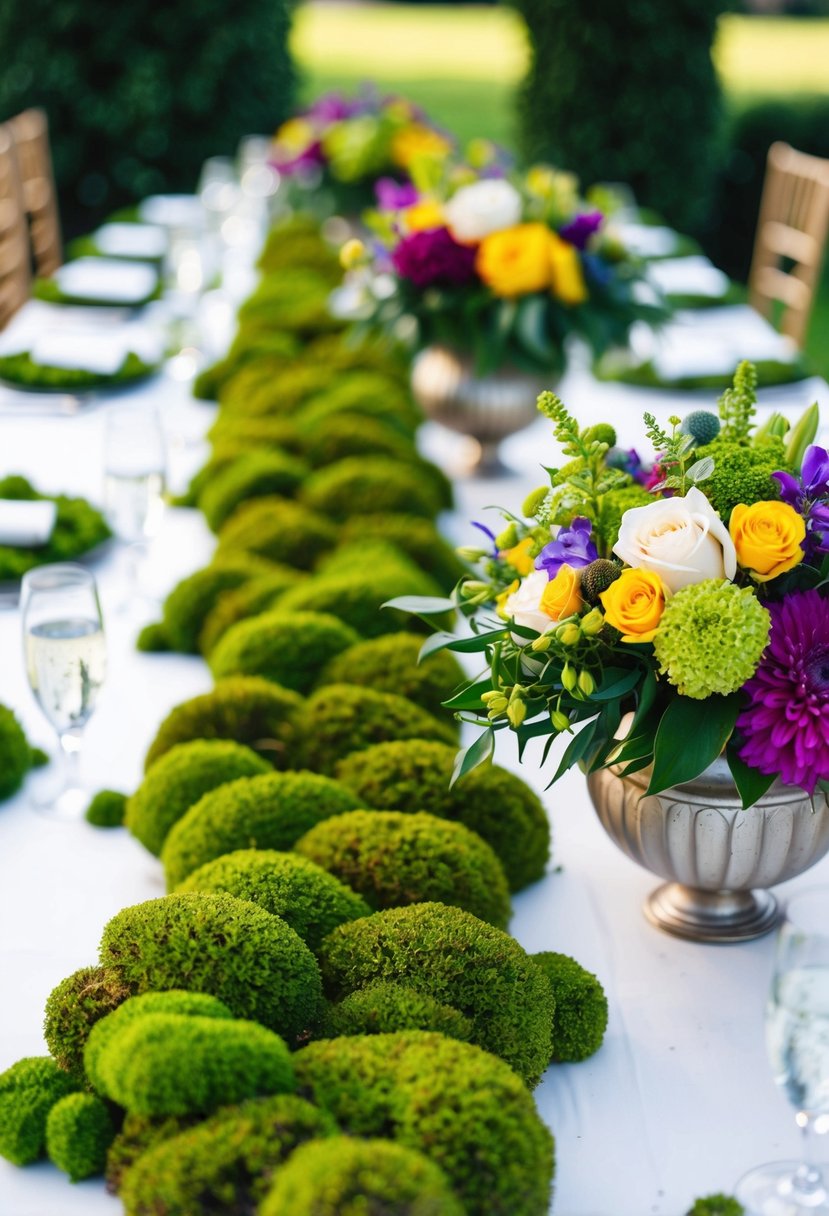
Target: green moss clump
[
  {"x": 393, "y": 859},
  {"x": 28, "y": 1091},
  {"x": 179, "y": 779},
  {"x": 374, "y": 394},
  {"x": 214, "y": 943},
  {"x": 166, "y": 1064},
  {"x": 138, "y": 1134},
  {"x": 79, "y": 527},
  {"x": 365, "y": 555},
  {"x": 383, "y": 1008},
  {"x": 342, "y": 718},
  {"x": 390, "y": 664},
  {"x": 224, "y": 1164},
  {"x": 187, "y": 605},
  {"x": 346, "y": 434},
  {"x": 15, "y": 754},
  {"x": 417, "y": 537},
  {"x": 107, "y": 809},
  {"x": 580, "y": 1017},
  {"x": 362, "y": 484},
  {"x": 279, "y": 530},
  {"x": 252, "y": 475},
  {"x": 290, "y": 648},
  {"x": 246, "y": 709},
  {"x": 414, "y": 775},
  {"x": 305, "y": 896},
  {"x": 249, "y": 346},
  {"x": 460, "y": 961},
  {"x": 346, "y": 1177},
  {"x": 717, "y": 1205},
  {"x": 252, "y": 598},
  {"x": 742, "y": 474},
  {"x": 73, "y": 1008},
  {"x": 256, "y": 433},
  {"x": 467, "y": 1111},
  {"x": 295, "y": 299},
  {"x": 267, "y": 812},
  {"x": 153, "y": 639},
  {"x": 79, "y": 1132},
  {"x": 358, "y": 600}
]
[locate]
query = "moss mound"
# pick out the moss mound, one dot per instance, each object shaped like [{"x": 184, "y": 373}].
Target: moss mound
[
  {"x": 345, "y": 1177},
  {"x": 267, "y": 812},
  {"x": 364, "y": 484},
  {"x": 187, "y": 605},
  {"x": 28, "y": 1091},
  {"x": 246, "y": 709},
  {"x": 417, "y": 537},
  {"x": 232, "y": 428},
  {"x": 343, "y": 718},
  {"x": 390, "y": 664},
  {"x": 290, "y": 648},
  {"x": 213, "y": 943},
  {"x": 250, "y": 599},
  {"x": 393, "y": 859},
  {"x": 460, "y": 961},
  {"x": 351, "y": 434},
  {"x": 107, "y": 809},
  {"x": 580, "y": 1017},
  {"x": 179, "y": 779},
  {"x": 383, "y": 1008},
  {"x": 79, "y": 1132},
  {"x": 464, "y": 1109},
  {"x": 305, "y": 896},
  {"x": 365, "y": 555},
  {"x": 138, "y": 1134},
  {"x": 15, "y": 754},
  {"x": 153, "y": 639},
  {"x": 253, "y": 475},
  {"x": 358, "y": 601},
  {"x": 374, "y": 394},
  {"x": 279, "y": 530},
  {"x": 224, "y": 1164},
  {"x": 414, "y": 776},
  {"x": 73, "y": 1008}
]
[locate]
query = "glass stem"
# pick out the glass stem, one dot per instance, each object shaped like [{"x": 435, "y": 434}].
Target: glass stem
[
  {"x": 70, "y": 746},
  {"x": 808, "y": 1180}
]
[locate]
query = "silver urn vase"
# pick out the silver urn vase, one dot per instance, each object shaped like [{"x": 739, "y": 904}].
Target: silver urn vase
[
  {"x": 486, "y": 408},
  {"x": 718, "y": 859}
]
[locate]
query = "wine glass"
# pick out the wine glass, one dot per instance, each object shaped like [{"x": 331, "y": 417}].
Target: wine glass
[
  {"x": 797, "y": 1039},
  {"x": 65, "y": 652},
  {"x": 134, "y": 482}
]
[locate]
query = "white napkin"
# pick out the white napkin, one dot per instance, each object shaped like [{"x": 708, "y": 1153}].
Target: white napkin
[
  {"x": 695, "y": 275},
  {"x": 26, "y": 523},
  {"x": 80, "y": 351},
  {"x": 173, "y": 211},
  {"x": 647, "y": 240},
  {"x": 107, "y": 279},
  {"x": 132, "y": 241}
]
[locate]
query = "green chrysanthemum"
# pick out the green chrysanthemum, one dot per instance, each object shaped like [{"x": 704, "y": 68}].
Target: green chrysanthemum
[{"x": 711, "y": 637}]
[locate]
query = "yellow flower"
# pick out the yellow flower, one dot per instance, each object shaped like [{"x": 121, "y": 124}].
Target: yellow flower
[
  {"x": 519, "y": 556},
  {"x": 424, "y": 215},
  {"x": 416, "y": 142},
  {"x": 295, "y": 135},
  {"x": 516, "y": 261},
  {"x": 562, "y": 595},
  {"x": 634, "y": 604},
  {"x": 501, "y": 599},
  {"x": 568, "y": 279},
  {"x": 767, "y": 537},
  {"x": 353, "y": 253}
]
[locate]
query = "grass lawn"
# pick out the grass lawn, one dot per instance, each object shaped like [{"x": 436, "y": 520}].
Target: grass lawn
[{"x": 463, "y": 64}]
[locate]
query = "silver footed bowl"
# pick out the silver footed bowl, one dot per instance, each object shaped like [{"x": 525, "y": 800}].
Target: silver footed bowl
[
  {"x": 486, "y": 408},
  {"x": 718, "y": 859}
]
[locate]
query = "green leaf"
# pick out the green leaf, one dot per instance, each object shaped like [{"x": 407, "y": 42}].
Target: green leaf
[
  {"x": 471, "y": 757},
  {"x": 618, "y": 684},
  {"x": 578, "y": 746},
  {"x": 750, "y": 784},
  {"x": 691, "y": 735},
  {"x": 470, "y": 696},
  {"x": 434, "y": 643},
  {"x": 531, "y": 328},
  {"x": 421, "y": 605}
]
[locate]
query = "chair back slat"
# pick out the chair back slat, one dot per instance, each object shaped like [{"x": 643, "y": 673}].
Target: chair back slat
[
  {"x": 15, "y": 271},
  {"x": 30, "y": 132}
]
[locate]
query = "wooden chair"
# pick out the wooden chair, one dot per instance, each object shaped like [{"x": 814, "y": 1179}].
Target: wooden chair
[
  {"x": 15, "y": 267},
  {"x": 30, "y": 132},
  {"x": 791, "y": 237}
]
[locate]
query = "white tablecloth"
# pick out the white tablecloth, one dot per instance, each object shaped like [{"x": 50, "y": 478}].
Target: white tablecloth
[{"x": 679, "y": 1102}]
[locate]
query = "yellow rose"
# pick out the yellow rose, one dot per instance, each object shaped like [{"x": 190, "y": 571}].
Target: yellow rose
[
  {"x": 519, "y": 556},
  {"x": 568, "y": 278},
  {"x": 562, "y": 595},
  {"x": 634, "y": 604},
  {"x": 424, "y": 215},
  {"x": 416, "y": 142},
  {"x": 516, "y": 261},
  {"x": 767, "y": 537}
]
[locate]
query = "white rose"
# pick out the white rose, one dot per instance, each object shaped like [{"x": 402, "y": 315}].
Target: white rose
[
  {"x": 523, "y": 606},
  {"x": 683, "y": 540},
  {"x": 484, "y": 207}
]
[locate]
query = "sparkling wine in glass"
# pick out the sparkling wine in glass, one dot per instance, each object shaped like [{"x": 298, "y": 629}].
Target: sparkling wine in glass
[
  {"x": 134, "y": 483},
  {"x": 65, "y": 653},
  {"x": 797, "y": 1039}
]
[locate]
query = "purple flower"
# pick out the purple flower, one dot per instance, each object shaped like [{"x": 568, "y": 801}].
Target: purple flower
[
  {"x": 572, "y": 547},
  {"x": 433, "y": 259},
  {"x": 809, "y": 496},
  {"x": 394, "y": 196},
  {"x": 488, "y": 533},
  {"x": 629, "y": 462},
  {"x": 333, "y": 107},
  {"x": 580, "y": 228},
  {"x": 308, "y": 159},
  {"x": 786, "y": 724}
]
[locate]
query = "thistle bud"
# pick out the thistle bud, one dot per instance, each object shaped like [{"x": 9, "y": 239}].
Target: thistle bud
[
  {"x": 592, "y": 623},
  {"x": 597, "y": 577},
  {"x": 559, "y": 720},
  {"x": 516, "y": 713},
  {"x": 586, "y": 683},
  {"x": 569, "y": 678},
  {"x": 569, "y": 634}
]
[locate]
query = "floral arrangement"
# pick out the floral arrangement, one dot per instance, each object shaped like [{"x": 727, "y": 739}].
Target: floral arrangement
[
  {"x": 349, "y": 144},
  {"x": 660, "y": 616},
  {"x": 501, "y": 266}
]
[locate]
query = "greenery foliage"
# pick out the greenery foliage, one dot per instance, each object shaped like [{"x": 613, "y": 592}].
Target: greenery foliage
[
  {"x": 279, "y": 530},
  {"x": 360, "y": 485},
  {"x": 79, "y": 1131},
  {"x": 107, "y": 809},
  {"x": 250, "y": 599},
  {"x": 357, "y": 600},
  {"x": 416, "y": 537},
  {"x": 383, "y": 1008},
  {"x": 16, "y": 757},
  {"x": 290, "y": 648},
  {"x": 390, "y": 664},
  {"x": 188, "y": 604},
  {"x": 252, "y": 475},
  {"x": 28, "y": 1091},
  {"x": 580, "y": 1007},
  {"x": 73, "y": 1008}
]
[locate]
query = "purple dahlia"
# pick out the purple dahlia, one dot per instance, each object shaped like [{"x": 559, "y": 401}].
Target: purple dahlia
[
  {"x": 786, "y": 723},
  {"x": 572, "y": 547},
  {"x": 433, "y": 259}
]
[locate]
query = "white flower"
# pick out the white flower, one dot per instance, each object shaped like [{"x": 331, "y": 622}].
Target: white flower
[
  {"x": 523, "y": 606},
  {"x": 683, "y": 540},
  {"x": 484, "y": 207}
]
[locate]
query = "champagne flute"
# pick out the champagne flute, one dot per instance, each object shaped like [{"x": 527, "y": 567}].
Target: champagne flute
[
  {"x": 65, "y": 651},
  {"x": 797, "y": 1039},
  {"x": 134, "y": 482}
]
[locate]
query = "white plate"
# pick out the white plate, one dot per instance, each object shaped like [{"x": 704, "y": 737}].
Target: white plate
[
  {"x": 118, "y": 282},
  {"x": 132, "y": 241}
]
